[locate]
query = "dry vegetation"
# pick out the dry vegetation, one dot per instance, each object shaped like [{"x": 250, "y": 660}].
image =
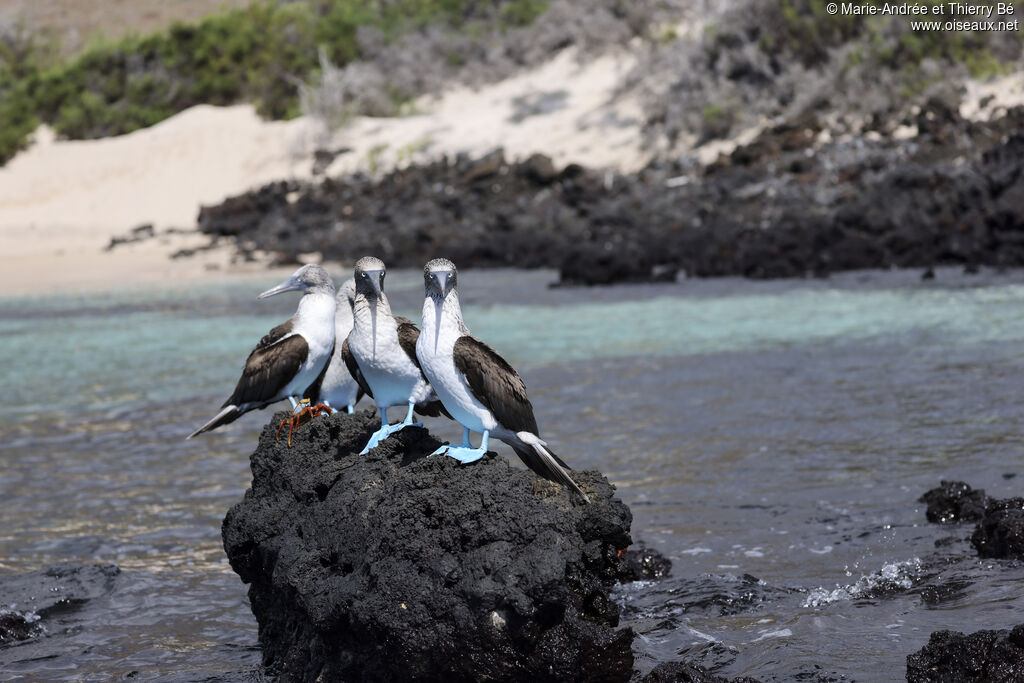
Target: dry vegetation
[{"x": 73, "y": 24}]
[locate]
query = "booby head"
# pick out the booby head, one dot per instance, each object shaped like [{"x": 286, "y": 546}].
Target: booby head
[
  {"x": 307, "y": 278},
  {"x": 369, "y": 277},
  {"x": 347, "y": 293},
  {"x": 439, "y": 279}
]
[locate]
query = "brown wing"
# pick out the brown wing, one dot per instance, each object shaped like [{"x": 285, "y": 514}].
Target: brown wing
[
  {"x": 275, "y": 334},
  {"x": 495, "y": 383},
  {"x": 268, "y": 370},
  {"x": 353, "y": 369},
  {"x": 408, "y": 333},
  {"x": 313, "y": 392}
]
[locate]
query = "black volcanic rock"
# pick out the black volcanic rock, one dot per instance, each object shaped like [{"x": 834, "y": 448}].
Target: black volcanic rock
[
  {"x": 395, "y": 566},
  {"x": 785, "y": 205},
  {"x": 955, "y": 501},
  {"x": 1001, "y": 532},
  {"x": 643, "y": 564},
  {"x": 952, "y": 657}
]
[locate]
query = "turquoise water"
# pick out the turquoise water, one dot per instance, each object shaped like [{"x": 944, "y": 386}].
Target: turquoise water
[
  {"x": 107, "y": 352},
  {"x": 779, "y": 429}
]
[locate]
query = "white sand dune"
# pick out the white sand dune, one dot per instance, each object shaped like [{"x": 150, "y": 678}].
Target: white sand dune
[{"x": 61, "y": 201}]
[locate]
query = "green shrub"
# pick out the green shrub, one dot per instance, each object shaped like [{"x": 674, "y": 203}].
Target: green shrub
[
  {"x": 803, "y": 29},
  {"x": 258, "y": 53}
]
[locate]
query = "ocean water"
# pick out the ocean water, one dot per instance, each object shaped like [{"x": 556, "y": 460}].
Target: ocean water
[{"x": 771, "y": 438}]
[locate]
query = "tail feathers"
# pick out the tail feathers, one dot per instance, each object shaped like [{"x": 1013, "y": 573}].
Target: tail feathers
[
  {"x": 227, "y": 414},
  {"x": 538, "y": 458}
]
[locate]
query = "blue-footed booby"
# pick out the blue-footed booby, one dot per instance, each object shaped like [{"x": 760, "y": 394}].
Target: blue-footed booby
[
  {"x": 337, "y": 388},
  {"x": 380, "y": 352},
  {"x": 478, "y": 387},
  {"x": 292, "y": 356}
]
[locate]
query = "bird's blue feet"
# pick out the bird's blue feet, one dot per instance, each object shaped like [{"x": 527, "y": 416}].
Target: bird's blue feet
[
  {"x": 387, "y": 430},
  {"x": 465, "y": 453},
  {"x": 350, "y": 408},
  {"x": 384, "y": 432}
]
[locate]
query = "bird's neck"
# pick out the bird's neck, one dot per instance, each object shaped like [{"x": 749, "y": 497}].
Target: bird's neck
[
  {"x": 316, "y": 308},
  {"x": 343, "y": 314},
  {"x": 450, "y": 317},
  {"x": 364, "y": 309}
]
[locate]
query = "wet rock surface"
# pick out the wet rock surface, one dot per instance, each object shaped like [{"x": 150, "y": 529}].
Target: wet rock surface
[
  {"x": 1001, "y": 532},
  {"x": 952, "y": 657},
  {"x": 397, "y": 566},
  {"x": 642, "y": 564},
  {"x": 1000, "y": 522},
  {"x": 683, "y": 672},
  {"x": 790, "y": 203},
  {"x": 34, "y": 603},
  {"x": 955, "y": 501}
]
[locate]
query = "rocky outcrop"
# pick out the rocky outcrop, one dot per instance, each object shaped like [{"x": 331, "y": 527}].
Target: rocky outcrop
[
  {"x": 954, "y": 501},
  {"x": 952, "y": 657},
  {"x": 642, "y": 564},
  {"x": 395, "y": 566},
  {"x": 1000, "y": 533},
  {"x": 683, "y": 672},
  {"x": 1000, "y": 522},
  {"x": 787, "y": 204}
]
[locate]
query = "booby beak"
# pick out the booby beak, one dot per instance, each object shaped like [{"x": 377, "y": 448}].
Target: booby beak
[
  {"x": 376, "y": 278},
  {"x": 444, "y": 281},
  {"x": 290, "y": 285}
]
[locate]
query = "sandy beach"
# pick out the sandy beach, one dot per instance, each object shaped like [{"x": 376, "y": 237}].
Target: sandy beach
[{"x": 61, "y": 201}]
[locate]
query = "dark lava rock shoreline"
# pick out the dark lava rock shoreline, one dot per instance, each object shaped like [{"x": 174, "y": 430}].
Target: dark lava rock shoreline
[
  {"x": 792, "y": 203},
  {"x": 999, "y": 532},
  {"x": 397, "y": 566},
  {"x": 952, "y": 657}
]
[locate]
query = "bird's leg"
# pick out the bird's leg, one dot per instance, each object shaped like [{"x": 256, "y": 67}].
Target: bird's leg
[
  {"x": 382, "y": 433},
  {"x": 329, "y": 407},
  {"x": 387, "y": 430},
  {"x": 350, "y": 408},
  {"x": 408, "y": 418},
  {"x": 466, "y": 453},
  {"x": 465, "y": 443},
  {"x": 293, "y": 402}
]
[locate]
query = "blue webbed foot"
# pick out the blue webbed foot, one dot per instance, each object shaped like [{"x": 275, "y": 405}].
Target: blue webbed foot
[
  {"x": 464, "y": 455},
  {"x": 384, "y": 432},
  {"x": 350, "y": 409}
]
